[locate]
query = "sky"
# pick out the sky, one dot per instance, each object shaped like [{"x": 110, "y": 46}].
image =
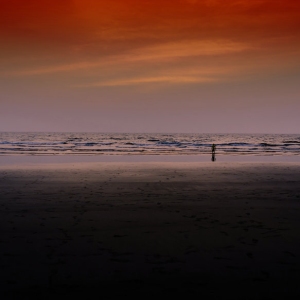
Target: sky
[{"x": 210, "y": 66}]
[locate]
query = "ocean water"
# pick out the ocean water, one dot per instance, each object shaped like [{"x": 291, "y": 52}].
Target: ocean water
[{"x": 37, "y": 144}]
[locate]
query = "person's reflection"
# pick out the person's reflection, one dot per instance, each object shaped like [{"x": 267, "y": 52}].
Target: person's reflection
[{"x": 213, "y": 152}]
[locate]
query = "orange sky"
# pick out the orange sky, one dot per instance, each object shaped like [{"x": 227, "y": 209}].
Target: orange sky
[{"x": 137, "y": 64}]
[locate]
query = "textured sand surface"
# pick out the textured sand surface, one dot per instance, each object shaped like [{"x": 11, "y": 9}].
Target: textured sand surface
[{"x": 147, "y": 229}]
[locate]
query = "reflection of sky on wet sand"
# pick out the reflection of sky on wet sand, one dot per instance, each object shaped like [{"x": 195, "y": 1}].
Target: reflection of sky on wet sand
[{"x": 18, "y": 161}]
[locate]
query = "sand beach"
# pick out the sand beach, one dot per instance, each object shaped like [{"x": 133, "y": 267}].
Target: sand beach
[{"x": 148, "y": 229}]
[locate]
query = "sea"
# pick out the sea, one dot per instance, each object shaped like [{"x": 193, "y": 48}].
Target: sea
[{"x": 154, "y": 144}]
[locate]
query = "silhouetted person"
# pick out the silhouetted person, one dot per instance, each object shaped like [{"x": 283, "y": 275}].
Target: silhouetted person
[
  {"x": 213, "y": 149},
  {"x": 213, "y": 152}
]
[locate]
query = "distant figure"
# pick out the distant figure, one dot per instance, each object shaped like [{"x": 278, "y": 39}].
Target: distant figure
[
  {"x": 213, "y": 152},
  {"x": 213, "y": 149}
]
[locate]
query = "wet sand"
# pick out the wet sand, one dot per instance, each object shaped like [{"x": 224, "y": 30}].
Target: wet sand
[{"x": 146, "y": 229}]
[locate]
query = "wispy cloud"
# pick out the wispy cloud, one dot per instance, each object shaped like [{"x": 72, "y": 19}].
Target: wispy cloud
[
  {"x": 182, "y": 49},
  {"x": 60, "y": 68},
  {"x": 149, "y": 80},
  {"x": 161, "y": 53}
]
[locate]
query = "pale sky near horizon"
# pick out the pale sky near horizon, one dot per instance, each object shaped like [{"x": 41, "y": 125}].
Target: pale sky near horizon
[{"x": 210, "y": 66}]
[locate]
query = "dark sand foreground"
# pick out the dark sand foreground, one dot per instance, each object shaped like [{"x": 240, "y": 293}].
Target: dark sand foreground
[{"x": 211, "y": 230}]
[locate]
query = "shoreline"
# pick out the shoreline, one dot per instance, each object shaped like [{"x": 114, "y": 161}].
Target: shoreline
[{"x": 7, "y": 160}]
